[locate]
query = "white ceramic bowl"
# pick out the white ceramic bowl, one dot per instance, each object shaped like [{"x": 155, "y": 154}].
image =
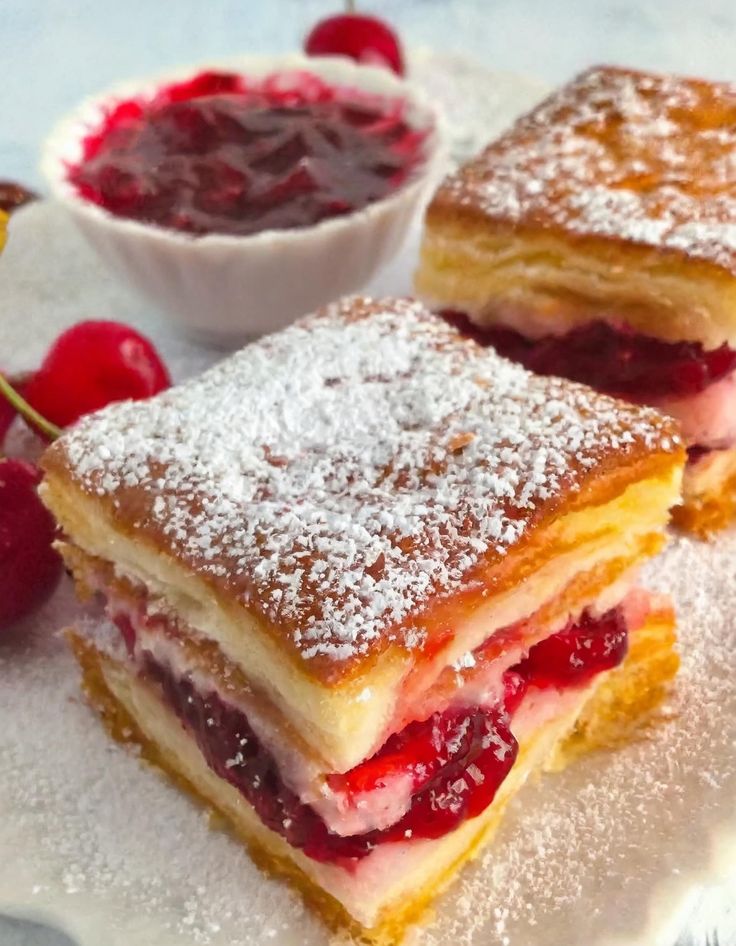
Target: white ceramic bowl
[{"x": 223, "y": 288}]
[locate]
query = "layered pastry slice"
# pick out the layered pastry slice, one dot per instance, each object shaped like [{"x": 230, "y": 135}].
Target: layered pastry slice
[
  {"x": 596, "y": 240},
  {"x": 367, "y": 576}
]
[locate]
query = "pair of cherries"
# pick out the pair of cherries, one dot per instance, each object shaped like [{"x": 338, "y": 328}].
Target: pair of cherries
[{"x": 89, "y": 366}]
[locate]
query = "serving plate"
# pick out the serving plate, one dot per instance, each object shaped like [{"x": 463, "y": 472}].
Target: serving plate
[{"x": 611, "y": 852}]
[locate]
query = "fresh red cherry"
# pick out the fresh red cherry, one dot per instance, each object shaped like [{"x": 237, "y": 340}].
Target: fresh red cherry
[
  {"x": 29, "y": 567},
  {"x": 91, "y": 365},
  {"x": 363, "y": 38}
]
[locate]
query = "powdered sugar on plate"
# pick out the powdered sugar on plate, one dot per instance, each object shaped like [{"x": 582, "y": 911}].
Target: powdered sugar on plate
[
  {"x": 606, "y": 852},
  {"x": 479, "y": 104}
]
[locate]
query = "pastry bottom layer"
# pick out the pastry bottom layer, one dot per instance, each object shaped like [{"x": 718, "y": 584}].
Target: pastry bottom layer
[
  {"x": 708, "y": 493},
  {"x": 607, "y": 715}
]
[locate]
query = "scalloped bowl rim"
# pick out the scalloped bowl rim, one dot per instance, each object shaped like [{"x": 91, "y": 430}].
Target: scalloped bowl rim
[{"x": 63, "y": 144}]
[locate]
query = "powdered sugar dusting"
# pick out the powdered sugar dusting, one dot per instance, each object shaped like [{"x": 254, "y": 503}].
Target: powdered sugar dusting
[
  {"x": 119, "y": 854},
  {"x": 633, "y": 156},
  {"x": 338, "y": 475},
  {"x": 572, "y": 866}
]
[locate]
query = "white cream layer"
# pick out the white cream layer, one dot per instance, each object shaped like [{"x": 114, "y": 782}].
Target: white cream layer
[
  {"x": 390, "y": 874},
  {"x": 305, "y": 775},
  {"x": 708, "y": 419}
]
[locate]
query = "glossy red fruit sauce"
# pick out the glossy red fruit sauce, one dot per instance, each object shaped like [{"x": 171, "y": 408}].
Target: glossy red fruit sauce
[
  {"x": 482, "y": 740},
  {"x": 29, "y": 567},
  {"x": 223, "y": 153},
  {"x": 363, "y": 38},
  {"x": 618, "y": 361},
  {"x": 576, "y": 654},
  {"x": 91, "y": 365},
  {"x": 697, "y": 453},
  {"x": 458, "y": 759}
]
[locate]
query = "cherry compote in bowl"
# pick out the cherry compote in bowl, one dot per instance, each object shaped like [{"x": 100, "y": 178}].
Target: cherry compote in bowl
[{"x": 240, "y": 196}]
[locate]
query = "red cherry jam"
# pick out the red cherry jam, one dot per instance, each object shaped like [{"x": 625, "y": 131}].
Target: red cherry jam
[
  {"x": 437, "y": 752},
  {"x": 477, "y": 757},
  {"x": 457, "y": 759},
  {"x": 697, "y": 453},
  {"x": 127, "y": 631},
  {"x": 223, "y": 153},
  {"x": 576, "y": 654},
  {"x": 618, "y": 361}
]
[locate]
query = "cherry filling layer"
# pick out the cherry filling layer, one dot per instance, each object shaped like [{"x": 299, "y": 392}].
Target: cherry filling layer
[
  {"x": 222, "y": 153},
  {"x": 456, "y": 759},
  {"x": 618, "y": 361}
]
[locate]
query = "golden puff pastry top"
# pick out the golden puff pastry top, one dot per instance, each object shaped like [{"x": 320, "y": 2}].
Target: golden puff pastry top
[
  {"x": 616, "y": 154},
  {"x": 341, "y": 476}
]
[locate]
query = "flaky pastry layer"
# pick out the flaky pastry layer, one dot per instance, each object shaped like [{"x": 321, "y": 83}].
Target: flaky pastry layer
[
  {"x": 567, "y": 566},
  {"x": 709, "y": 494},
  {"x": 547, "y": 283},
  {"x": 380, "y": 904},
  {"x": 612, "y": 199}
]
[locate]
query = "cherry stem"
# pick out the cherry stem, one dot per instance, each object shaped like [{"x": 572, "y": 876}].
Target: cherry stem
[{"x": 25, "y": 410}]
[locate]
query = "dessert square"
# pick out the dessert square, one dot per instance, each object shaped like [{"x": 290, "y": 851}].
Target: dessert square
[
  {"x": 364, "y": 577},
  {"x": 595, "y": 240}
]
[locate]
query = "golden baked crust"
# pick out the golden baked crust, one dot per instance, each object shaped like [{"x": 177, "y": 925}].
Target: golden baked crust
[
  {"x": 709, "y": 494},
  {"x": 619, "y": 155},
  {"x": 614, "y": 198},
  {"x": 338, "y": 481},
  {"x": 627, "y": 698}
]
